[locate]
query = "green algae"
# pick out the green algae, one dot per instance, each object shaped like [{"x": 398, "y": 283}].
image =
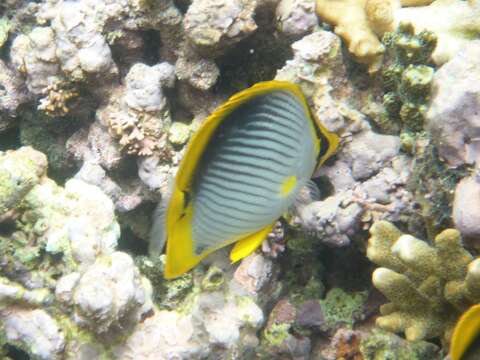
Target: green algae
[
  {"x": 48, "y": 135},
  {"x": 381, "y": 345},
  {"x": 276, "y": 334},
  {"x": 167, "y": 294},
  {"x": 340, "y": 307},
  {"x": 213, "y": 279},
  {"x": 303, "y": 269},
  {"x": 433, "y": 184}
]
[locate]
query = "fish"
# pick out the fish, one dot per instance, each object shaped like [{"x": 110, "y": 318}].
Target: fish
[
  {"x": 465, "y": 341},
  {"x": 241, "y": 171}
]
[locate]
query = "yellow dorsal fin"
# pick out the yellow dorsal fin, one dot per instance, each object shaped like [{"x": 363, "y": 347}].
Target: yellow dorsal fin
[
  {"x": 247, "y": 245},
  {"x": 466, "y": 330}
]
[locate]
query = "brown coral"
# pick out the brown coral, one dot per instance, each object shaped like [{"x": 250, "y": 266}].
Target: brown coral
[
  {"x": 59, "y": 96},
  {"x": 138, "y": 133},
  {"x": 361, "y": 23}
]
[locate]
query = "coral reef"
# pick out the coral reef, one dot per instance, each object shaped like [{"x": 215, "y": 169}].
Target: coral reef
[
  {"x": 278, "y": 336},
  {"x": 12, "y": 93},
  {"x": 360, "y": 23},
  {"x": 377, "y": 344},
  {"x": 111, "y": 92},
  {"x": 452, "y": 118},
  {"x": 5, "y": 27},
  {"x": 211, "y": 313},
  {"x": 35, "y": 330},
  {"x": 35, "y": 56},
  {"x": 200, "y": 73},
  {"x": 368, "y": 179},
  {"x": 432, "y": 183},
  {"x": 60, "y": 248},
  {"x": 56, "y": 102},
  {"x": 455, "y": 23},
  {"x": 49, "y": 135},
  {"x": 295, "y": 18},
  {"x": 213, "y": 26},
  {"x": 61, "y": 262},
  {"x": 361, "y": 193},
  {"x": 428, "y": 286},
  {"x": 137, "y": 115},
  {"x": 465, "y": 207},
  {"x": 408, "y": 78}
]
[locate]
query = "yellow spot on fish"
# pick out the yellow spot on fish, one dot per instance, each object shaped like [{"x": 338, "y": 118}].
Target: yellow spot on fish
[{"x": 288, "y": 185}]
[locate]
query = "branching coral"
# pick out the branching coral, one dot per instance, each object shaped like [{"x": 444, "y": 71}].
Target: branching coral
[
  {"x": 361, "y": 23},
  {"x": 137, "y": 133},
  {"x": 58, "y": 96},
  {"x": 428, "y": 286}
]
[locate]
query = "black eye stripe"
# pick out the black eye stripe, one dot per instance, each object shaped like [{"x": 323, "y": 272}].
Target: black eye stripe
[{"x": 324, "y": 143}]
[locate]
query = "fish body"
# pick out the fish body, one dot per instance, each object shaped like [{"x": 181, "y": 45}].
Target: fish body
[{"x": 242, "y": 170}]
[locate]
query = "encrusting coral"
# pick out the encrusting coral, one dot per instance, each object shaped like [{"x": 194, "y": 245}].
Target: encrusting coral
[
  {"x": 65, "y": 289},
  {"x": 138, "y": 116},
  {"x": 213, "y": 26},
  {"x": 452, "y": 117},
  {"x": 377, "y": 345},
  {"x": 428, "y": 286},
  {"x": 60, "y": 272}
]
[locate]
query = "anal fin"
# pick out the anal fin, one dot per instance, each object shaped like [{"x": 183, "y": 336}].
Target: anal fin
[{"x": 247, "y": 245}]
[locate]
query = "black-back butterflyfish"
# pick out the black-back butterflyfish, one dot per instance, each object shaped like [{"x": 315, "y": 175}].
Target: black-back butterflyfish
[
  {"x": 465, "y": 342},
  {"x": 241, "y": 171}
]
